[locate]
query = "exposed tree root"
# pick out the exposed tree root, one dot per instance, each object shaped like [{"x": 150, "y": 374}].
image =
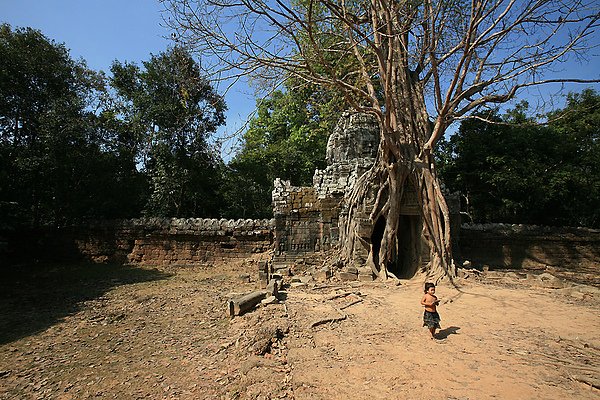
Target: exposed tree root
[
  {"x": 327, "y": 320},
  {"x": 391, "y": 181}
]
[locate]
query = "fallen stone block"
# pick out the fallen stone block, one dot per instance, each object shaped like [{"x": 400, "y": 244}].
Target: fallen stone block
[
  {"x": 242, "y": 304},
  {"x": 366, "y": 277},
  {"x": 323, "y": 274},
  {"x": 263, "y": 279},
  {"x": 282, "y": 270},
  {"x": 273, "y": 288},
  {"x": 347, "y": 276},
  {"x": 269, "y": 300},
  {"x": 276, "y": 277},
  {"x": 352, "y": 270},
  {"x": 550, "y": 281},
  {"x": 263, "y": 266}
]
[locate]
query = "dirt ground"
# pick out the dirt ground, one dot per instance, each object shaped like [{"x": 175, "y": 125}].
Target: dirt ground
[{"x": 90, "y": 331}]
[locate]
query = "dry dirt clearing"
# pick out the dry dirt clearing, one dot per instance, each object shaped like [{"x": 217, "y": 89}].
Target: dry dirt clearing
[{"x": 81, "y": 332}]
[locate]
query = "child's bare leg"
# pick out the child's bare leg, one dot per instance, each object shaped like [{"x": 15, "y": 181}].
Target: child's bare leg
[{"x": 432, "y": 331}]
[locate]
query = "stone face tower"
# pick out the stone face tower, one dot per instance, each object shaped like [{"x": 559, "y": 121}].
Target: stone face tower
[
  {"x": 351, "y": 150},
  {"x": 306, "y": 218}
]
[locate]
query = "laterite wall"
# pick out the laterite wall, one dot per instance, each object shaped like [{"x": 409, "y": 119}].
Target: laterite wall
[
  {"x": 526, "y": 246},
  {"x": 151, "y": 241}
]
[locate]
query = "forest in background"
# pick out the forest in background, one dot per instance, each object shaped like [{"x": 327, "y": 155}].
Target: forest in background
[{"x": 78, "y": 144}]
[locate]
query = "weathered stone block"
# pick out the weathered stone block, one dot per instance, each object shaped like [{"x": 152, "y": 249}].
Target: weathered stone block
[
  {"x": 352, "y": 270},
  {"x": 366, "y": 277},
  {"x": 347, "y": 276},
  {"x": 285, "y": 271},
  {"x": 276, "y": 277},
  {"x": 263, "y": 266},
  {"x": 323, "y": 274},
  {"x": 263, "y": 279},
  {"x": 273, "y": 288}
]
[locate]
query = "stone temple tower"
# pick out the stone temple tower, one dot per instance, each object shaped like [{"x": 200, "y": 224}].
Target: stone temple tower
[{"x": 307, "y": 218}]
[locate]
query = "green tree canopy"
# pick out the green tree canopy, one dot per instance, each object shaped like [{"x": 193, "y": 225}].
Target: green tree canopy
[
  {"x": 578, "y": 174},
  {"x": 517, "y": 171},
  {"x": 53, "y": 167},
  {"x": 170, "y": 110}
]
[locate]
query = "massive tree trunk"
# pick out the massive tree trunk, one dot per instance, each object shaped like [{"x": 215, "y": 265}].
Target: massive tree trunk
[{"x": 404, "y": 164}]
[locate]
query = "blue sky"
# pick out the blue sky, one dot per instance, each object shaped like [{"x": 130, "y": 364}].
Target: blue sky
[{"x": 101, "y": 31}]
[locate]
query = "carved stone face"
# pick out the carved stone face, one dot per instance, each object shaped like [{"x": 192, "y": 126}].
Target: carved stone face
[{"x": 356, "y": 137}]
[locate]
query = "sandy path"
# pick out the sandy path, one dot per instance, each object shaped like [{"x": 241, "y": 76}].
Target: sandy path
[
  {"x": 133, "y": 333},
  {"x": 499, "y": 343}
]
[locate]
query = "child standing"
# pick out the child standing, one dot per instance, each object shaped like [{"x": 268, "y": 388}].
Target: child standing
[{"x": 431, "y": 318}]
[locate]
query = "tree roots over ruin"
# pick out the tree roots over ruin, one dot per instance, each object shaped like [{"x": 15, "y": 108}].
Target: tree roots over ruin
[{"x": 371, "y": 222}]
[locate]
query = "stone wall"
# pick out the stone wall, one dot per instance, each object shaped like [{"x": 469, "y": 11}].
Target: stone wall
[
  {"x": 526, "y": 246},
  {"x": 198, "y": 241},
  {"x": 152, "y": 241}
]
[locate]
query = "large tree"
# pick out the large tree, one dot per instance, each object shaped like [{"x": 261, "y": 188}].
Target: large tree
[
  {"x": 417, "y": 66},
  {"x": 170, "y": 110},
  {"x": 510, "y": 168},
  {"x": 55, "y": 165}
]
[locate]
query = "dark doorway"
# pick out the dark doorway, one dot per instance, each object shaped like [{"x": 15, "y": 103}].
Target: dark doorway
[
  {"x": 408, "y": 255},
  {"x": 376, "y": 237},
  {"x": 406, "y": 262}
]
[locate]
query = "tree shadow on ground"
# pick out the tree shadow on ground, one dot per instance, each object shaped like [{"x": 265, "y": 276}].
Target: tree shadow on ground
[
  {"x": 444, "y": 333},
  {"x": 35, "y": 297}
]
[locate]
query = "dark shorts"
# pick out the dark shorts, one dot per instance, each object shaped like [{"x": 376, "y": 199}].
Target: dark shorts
[{"x": 431, "y": 320}]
